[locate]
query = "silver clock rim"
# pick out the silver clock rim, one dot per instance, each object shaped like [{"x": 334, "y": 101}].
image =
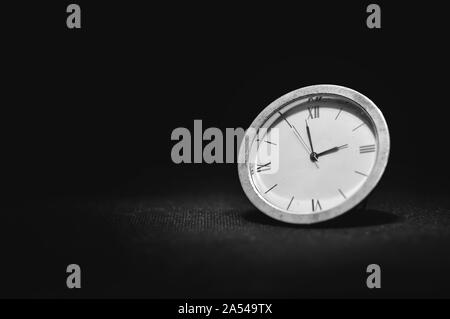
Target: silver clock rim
[{"x": 382, "y": 133}]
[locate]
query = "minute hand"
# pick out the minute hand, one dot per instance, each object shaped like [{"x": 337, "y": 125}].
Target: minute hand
[
  {"x": 309, "y": 137},
  {"x": 297, "y": 134},
  {"x": 332, "y": 150}
]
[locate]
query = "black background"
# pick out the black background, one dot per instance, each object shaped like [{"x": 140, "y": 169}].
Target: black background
[{"x": 86, "y": 122}]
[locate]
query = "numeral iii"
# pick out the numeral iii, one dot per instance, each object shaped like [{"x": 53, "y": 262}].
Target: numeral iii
[{"x": 367, "y": 149}]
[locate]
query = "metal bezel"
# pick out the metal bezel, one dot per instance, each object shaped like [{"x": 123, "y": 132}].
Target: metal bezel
[{"x": 382, "y": 134}]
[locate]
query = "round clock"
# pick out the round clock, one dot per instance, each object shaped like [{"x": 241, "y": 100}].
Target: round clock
[{"x": 313, "y": 154}]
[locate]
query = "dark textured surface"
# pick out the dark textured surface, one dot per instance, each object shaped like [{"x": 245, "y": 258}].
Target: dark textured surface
[{"x": 193, "y": 233}]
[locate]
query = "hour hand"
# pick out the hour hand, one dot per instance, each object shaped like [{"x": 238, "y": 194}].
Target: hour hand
[
  {"x": 332, "y": 150},
  {"x": 313, "y": 155}
]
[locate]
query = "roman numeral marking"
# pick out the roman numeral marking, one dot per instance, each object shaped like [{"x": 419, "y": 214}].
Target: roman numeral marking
[
  {"x": 340, "y": 110},
  {"x": 358, "y": 127},
  {"x": 314, "y": 99},
  {"x": 316, "y": 206},
  {"x": 271, "y": 188},
  {"x": 367, "y": 149},
  {"x": 360, "y": 173},
  {"x": 290, "y": 202},
  {"x": 313, "y": 112},
  {"x": 282, "y": 116},
  {"x": 257, "y": 138},
  {"x": 263, "y": 167},
  {"x": 342, "y": 193}
]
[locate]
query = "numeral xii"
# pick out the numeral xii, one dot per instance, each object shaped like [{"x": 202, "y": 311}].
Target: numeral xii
[{"x": 314, "y": 112}]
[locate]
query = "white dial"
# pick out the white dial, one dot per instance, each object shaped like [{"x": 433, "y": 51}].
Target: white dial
[
  {"x": 303, "y": 178},
  {"x": 312, "y": 153}
]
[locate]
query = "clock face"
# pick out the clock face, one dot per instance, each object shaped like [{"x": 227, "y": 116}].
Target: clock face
[
  {"x": 304, "y": 172},
  {"x": 313, "y": 153}
]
